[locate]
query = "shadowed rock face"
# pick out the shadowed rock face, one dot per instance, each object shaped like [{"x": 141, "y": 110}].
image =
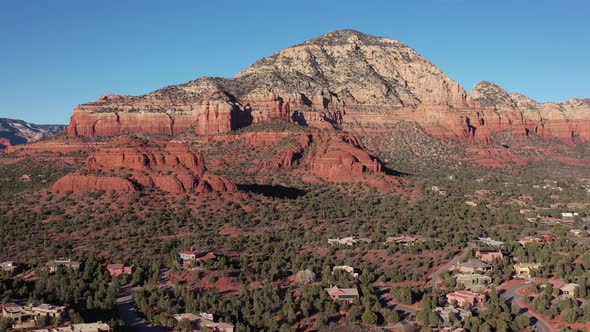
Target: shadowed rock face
[{"x": 343, "y": 78}]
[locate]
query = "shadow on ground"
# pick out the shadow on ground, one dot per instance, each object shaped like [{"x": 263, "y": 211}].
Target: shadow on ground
[{"x": 275, "y": 191}]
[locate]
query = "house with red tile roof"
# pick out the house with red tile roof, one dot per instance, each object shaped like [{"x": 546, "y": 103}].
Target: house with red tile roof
[{"x": 119, "y": 269}]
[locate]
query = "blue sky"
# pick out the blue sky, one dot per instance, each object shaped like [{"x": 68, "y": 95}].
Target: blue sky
[{"x": 60, "y": 53}]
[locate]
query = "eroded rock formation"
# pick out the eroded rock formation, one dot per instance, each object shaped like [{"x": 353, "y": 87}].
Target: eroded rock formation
[
  {"x": 128, "y": 164},
  {"x": 344, "y": 79}
]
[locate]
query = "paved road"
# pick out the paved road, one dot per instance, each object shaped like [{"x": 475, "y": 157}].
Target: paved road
[
  {"x": 435, "y": 276},
  {"x": 510, "y": 295},
  {"x": 130, "y": 316}
]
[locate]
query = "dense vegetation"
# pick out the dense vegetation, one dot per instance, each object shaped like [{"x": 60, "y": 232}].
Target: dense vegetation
[{"x": 274, "y": 261}]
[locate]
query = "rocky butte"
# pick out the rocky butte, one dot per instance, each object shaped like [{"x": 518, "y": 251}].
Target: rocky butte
[{"x": 344, "y": 79}]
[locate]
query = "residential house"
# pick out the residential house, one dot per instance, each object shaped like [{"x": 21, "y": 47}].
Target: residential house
[
  {"x": 529, "y": 239},
  {"x": 25, "y": 178},
  {"x": 450, "y": 314},
  {"x": 527, "y": 198},
  {"x": 349, "y": 241},
  {"x": 190, "y": 254},
  {"x": 195, "y": 258},
  {"x": 523, "y": 270},
  {"x": 568, "y": 290},
  {"x": 488, "y": 255},
  {"x": 343, "y": 294},
  {"x": 533, "y": 239},
  {"x": 439, "y": 190},
  {"x": 570, "y": 215},
  {"x": 471, "y": 266},
  {"x": 488, "y": 242},
  {"x": 405, "y": 240},
  {"x": 465, "y": 298},
  {"x": 549, "y": 238},
  {"x": 471, "y": 203},
  {"x": 119, "y": 269},
  {"x": 473, "y": 281},
  {"x": 20, "y": 317},
  {"x": 24, "y": 316},
  {"x": 90, "y": 327},
  {"x": 54, "y": 265},
  {"x": 193, "y": 318},
  {"x": 9, "y": 267},
  {"x": 484, "y": 192},
  {"x": 345, "y": 268},
  {"x": 403, "y": 326},
  {"x": 205, "y": 320}
]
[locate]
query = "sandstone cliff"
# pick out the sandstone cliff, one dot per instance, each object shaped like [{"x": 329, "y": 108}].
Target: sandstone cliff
[{"x": 344, "y": 79}]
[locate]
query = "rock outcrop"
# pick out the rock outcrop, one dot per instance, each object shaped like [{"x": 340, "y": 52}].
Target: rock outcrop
[
  {"x": 343, "y": 79},
  {"x": 342, "y": 158},
  {"x": 129, "y": 164}
]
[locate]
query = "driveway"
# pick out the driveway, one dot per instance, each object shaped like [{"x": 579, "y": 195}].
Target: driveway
[
  {"x": 512, "y": 297},
  {"x": 435, "y": 276},
  {"x": 130, "y": 316}
]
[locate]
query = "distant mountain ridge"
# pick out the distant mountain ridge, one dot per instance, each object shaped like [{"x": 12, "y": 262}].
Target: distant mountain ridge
[{"x": 14, "y": 132}]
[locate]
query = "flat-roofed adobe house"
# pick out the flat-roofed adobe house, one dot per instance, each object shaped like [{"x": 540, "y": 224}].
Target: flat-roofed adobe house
[
  {"x": 89, "y": 327},
  {"x": 343, "y": 294},
  {"x": 55, "y": 264},
  {"x": 119, "y": 269},
  {"x": 529, "y": 239},
  {"x": 523, "y": 270},
  {"x": 465, "y": 298},
  {"x": 439, "y": 190},
  {"x": 349, "y": 241},
  {"x": 204, "y": 320},
  {"x": 190, "y": 254},
  {"x": 346, "y": 269},
  {"x": 24, "y": 316},
  {"x": 471, "y": 266},
  {"x": 195, "y": 257},
  {"x": 450, "y": 314},
  {"x": 473, "y": 281},
  {"x": 488, "y": 255},
  {"x": 404, "y": 240}
]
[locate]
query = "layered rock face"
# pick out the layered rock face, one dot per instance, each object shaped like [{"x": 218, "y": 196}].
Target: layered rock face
[
  {"x": 315, "y": 155},
  {"x": 344, "y": 79},
  {"x": 342, "y": 158},
  {"x": 132, "y": 164}
]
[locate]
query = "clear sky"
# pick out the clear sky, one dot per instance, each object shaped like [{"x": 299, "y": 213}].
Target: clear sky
[{"x": 55, "y": 54}]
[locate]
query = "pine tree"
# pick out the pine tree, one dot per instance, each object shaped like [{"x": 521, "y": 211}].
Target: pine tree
[{"x": 369, "y": 317}]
